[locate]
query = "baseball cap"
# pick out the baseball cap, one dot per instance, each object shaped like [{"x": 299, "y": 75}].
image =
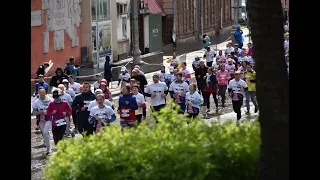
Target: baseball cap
[
  {"x": 123, "y": 68},
  {"x": 155, "y": 75},
  {"x": 65, "y": 81},
  {"x": 99, "y": 75},
  {"x": 98, "y": 90},
  {"x": 135, "y": 70},
  {"x": 136, "y": 66},
  {"x": 56, "y": 93}
]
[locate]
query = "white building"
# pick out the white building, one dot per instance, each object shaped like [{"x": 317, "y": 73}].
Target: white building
[{"x": 123, "y": 28}]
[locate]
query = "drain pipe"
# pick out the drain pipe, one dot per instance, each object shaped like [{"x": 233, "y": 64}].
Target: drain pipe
[{"x": 221, "y": 27}]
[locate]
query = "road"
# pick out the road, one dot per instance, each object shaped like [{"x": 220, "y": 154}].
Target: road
[{"x": 37, "y": 153}]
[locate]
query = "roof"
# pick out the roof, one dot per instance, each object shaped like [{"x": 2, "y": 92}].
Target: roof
[{"x": 153, "y": 6}]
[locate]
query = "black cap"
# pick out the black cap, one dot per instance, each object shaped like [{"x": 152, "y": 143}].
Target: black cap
[
  {"x": 56, "y": 94},
  {"x": 236, "y": 44}
]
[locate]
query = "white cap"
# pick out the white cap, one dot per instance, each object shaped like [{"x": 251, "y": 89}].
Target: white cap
[
  {"x": 196, "y": 57},
  {"x": 135, "y": 70},
  {"x": 123, "y": 68},
  {"x": 103, "y": 83},
  {"x": 98, "y": 90},
  {"x": 65, "y": 81},
  {"x": 171, "y": 69}
]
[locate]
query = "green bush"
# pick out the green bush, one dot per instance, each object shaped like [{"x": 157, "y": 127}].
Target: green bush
[{"x": 171, "y": 150}]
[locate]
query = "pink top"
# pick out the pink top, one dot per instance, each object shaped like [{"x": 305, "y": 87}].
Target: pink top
[
  {"x": 223, "y": 77},
  {"x": 61, "y": 107}
]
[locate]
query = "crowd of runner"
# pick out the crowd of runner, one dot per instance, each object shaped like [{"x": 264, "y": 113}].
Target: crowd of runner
[{"x": 222, "y": 75}]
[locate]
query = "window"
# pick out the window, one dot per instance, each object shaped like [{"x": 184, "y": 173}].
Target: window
[
  {"x": 121, "y": 8},
  {"x": 124, "y": 26}
]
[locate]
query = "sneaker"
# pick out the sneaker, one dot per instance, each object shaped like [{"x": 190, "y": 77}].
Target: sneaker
[
  {"x": 37, "y": 128},
  {"x": 208, "y": 110},
  {"x": 256, "y": 110},
  {"x": 48, "y": 153}
]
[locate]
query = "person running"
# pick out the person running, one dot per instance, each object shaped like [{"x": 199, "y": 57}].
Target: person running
[
  {"x": 42, "y": 69},
  {"x": 174, "y": 61},
  {"x": 211, "y": 88},
  {"x": 57, "y": 79},
  {"x": 127, "y": 107},
  {"x": 230, "y": 67},
  {"x": 66, "y": 97},
  {"x": 95, "y": 102},
  {"x": 243, "y": 57},
  {"x": 105, "y": 90},
  {"x": 209, "y": 54},
  {"x": 223, "y": 76},
  {"x": 178, "y": 90},
  {"x": 200, "y": 75},
  {"x": 140, "y": 79},
  {"x": 229, "y": 49},
  {"x": 216, "y": 66},
  {"x": 193, "y": 99},
  {"x": 124, "y": 77},
  {"x": 174, "y": 75},
  {"x": 140, "y": 72},
  {"x": 237, "y": 88},
  {"x": 243, "y": 68},
  {"x": 164, "y": 76},
  {"x": 140, "y": 101},
  {"x": 250, "y": 78},
  {"x": 40, "y": 83},
  {"x": 68, "y": 90},
  {"x": 250, "y": 47},
  {"x": 74, "y": 85},
  {"x": 40, "y": 107},
  {"x": 101, "y": 114},
  {"x": 206, "y": 41},
  {"x": 59, "y": 110},
  {"x": 186, "y": 75},
  {"x": 196, "y": 63},
  {"x": 221, "y": 56},
  {"x": 97, "y": 83},
  {"x": 169, "y": 76},
  {"x": 81, "y": 103},
  {"x": 286, "y": 44},
  {"x": 158, "y": 92}
]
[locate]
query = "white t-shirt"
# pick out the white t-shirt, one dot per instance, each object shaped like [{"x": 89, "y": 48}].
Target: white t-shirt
[
  {"x": 209, "y": 55},
  {"x": 96, "y": 85},
  {"x": 221, "y": 57},
  {"x": 286, "y": 45},
  {"x": 179, "y": 88},
  {"x": 140, "y": 100},
  {"x": 174, "y": 62},
  {"x": 103, "y": 113},
  {"x": 40, "y": 105},
  {"x": 196, "y": 63},
  {"x": 194, "y": 96},
  {"x": 229, "y": 50},
  {"x": 185, "y": 72},
  {"x": 173, "y": 78},
  {"x": 158, "y": 89},
  {"x": 95, "y": 103},
  {"x": 230, "y": 68},
  {"x": 125, "y": 78},
  {"x": 245, "y": 58},
  {"x": 286, "y": 27},
  {"x": 70, "y": 92},
  {"x": 163, "y": 76},
  {"x": 66, "y": 97},
  {"x": 75, "y": 87},
  {"x": 237, "y": 87}
]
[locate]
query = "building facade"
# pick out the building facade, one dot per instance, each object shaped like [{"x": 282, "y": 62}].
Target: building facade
[
  {"x": 217, "y": 14},
  {"x": 55, "y": 33},
  {"x": 123, "y": 28}
]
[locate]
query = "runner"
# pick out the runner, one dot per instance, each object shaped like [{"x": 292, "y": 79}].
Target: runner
[
  {"x": 59, "y": 110},
  {"x": 95, "y": 102},
  {"x": 200, "y": 75},
  {"x": 243, "y": 57},
  {"x": 243, "y": 68},
  {"x": 39, "y": 109},
  {"x": 170, "y": 75},
  {"x": 193, "y": 99},
  {"x": 250, "y": 78},
  {"x": 81, "y": 103},
  {"x": 158, "y": 92},
  {"x": 220, "y": 56},
  {"x": 229, "y": 49},
  {"x": 57, "y": 79},
  {"x": 140, "y": 101},
  {"x": 164, "y": 76},
  {"x": 211, "y": 88},
  {"x": 105, "y": 90},
  {"x": 68, "y": 90},
  {"x": 195, "y": 63},
  {"x": 140, "y": 79},
  {"x": 97, "y": 83},
  {"x": 66, "y": 97},
  {"x": 40, "y": 83},
  {"x": 209, "y": 54},
  {"x": 174, "y": 62},
  {"x": 216, "y": 66},
  {"x": 124, "y": 77},
  {"x": 236, "y": 89},
  {"x": 178, "y": 90},
  {"x": 140, "y": 72},
  {"x": 174, "y": 76},
  {"x": 74, "y": 85},
  {"x": 101, "y": 114},
  {"x": 223, "y": 76},
  {"x": 127, "y": 107},
  {"x": 230, "y": 67},
  {"x": 186, "y": 75},
  {"x": 250, "y": 49}
]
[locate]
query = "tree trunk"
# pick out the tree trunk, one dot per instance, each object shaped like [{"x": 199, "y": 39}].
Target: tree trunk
[{"x": 272, "y": 87}]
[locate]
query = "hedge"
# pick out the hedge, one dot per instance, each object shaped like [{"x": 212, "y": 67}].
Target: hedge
[{"x": 170, "y": 150}]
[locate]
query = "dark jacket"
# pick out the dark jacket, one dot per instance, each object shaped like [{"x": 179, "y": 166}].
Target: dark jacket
[
  {"x": 41, "y": 70},
  {"x": 142, "y": 80},
  {"x": 107, "y": 69},
  {"x": 213, "y": 81},
  {"x": 56, "y": 80},
  {"x": 202, "y": 72},
  {"x": 81, "y": 100}
]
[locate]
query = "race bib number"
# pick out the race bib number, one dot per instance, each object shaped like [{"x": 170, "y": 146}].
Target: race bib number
[
  {"x": 60, "y": 122},
  {"x": 125, "y": 113}
]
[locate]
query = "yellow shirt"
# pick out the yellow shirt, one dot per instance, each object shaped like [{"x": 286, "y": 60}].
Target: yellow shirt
[{"x": 250, "y": 76}]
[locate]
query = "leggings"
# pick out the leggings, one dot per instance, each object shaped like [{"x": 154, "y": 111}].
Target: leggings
[
  {"x": 251, "y": 95},
  {"x": 237, "y": 108},
  {"x": 222, "y": 90},
  {"x": 192, "y": 116},
  {"x": 139, "y": 118},
  {"x": 207, "y": 99},
  {"x": 58, "y": 133},
  {"x": 68, "y": 131},
  {"x": 45, "y": 133}
]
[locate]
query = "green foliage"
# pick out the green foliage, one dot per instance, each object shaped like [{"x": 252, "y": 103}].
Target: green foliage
[{"x": 171, "y": 150}]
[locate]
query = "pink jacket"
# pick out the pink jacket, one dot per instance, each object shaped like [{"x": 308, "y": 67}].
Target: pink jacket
[
  {"x": 62, "y": 107},
  {"x": 223, "y": 77}
]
